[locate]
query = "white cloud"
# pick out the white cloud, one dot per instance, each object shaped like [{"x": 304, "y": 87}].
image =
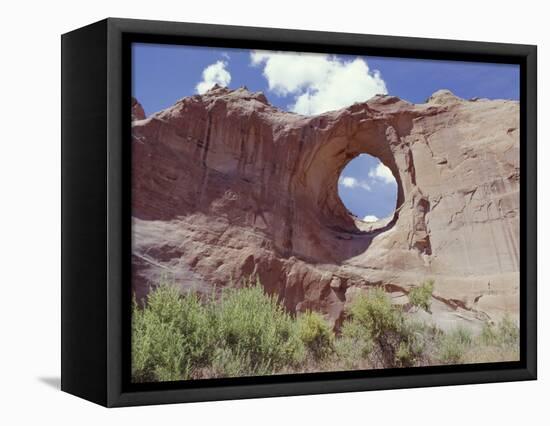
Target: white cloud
[
  {"x": 214, "y": 74},
  {"x": 351, "y": 182},
  {"x": 383, "y": 173},
  {"x": 318, "y": 82},
  {"x": 370, "y": 218}
]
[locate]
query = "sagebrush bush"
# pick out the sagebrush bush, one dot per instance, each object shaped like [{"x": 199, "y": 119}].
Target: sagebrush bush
[
  {"x": 316, "y": 335},
  {"x": 246, "y": 332},
  {"x": 489, "y": 334},
  {"x": 413, "y": 347},
  {"x": 453, "y": 345},
  {"x": 376, "y": 314},
  {"x": 504, "y": 333},
  {"x": 395, "y": 342},
  {"x": 354, "y": 345},
  {"x": 171, "y": 335},
  {"x": 421, "y": 296},
  {"x": 496, "y": 343},
  {"x": 508, "y": 332},
  {"x": 255, "y": 329}
]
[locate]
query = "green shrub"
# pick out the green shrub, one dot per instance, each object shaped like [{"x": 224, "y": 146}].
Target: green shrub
[
  {"x": 451, "y": 351},
  {"x": 255, "y": 332},
  {"x": 463, "y": 335},
  {"x": 413, "y": 346},
  {"x": 505, "y": 333},
  {"x": 359, "y": 336},
  {"x": 395, "y": 342},
  {"x": 489, "y": 334},
  {"x": 404, "y": 355},
  {"x": 245, "y": 332},
  {"x": 316, "y": 334},
  {"x": 508, "y": 332},
  {"x": 376, "y": 314},
  {"x": 354, "y": 345},
  {"x": 421, "y": 296},
  {"x": 453, "y": 345},
  {"x": 229, "y": 362},
  {"x": 170, "y": 335}
]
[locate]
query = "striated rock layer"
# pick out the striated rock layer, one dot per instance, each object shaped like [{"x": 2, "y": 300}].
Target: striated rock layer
[{"x": 226, "y": 186}]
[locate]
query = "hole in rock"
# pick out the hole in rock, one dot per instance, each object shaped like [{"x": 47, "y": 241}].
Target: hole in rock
[{"x": 368, "y": 189}]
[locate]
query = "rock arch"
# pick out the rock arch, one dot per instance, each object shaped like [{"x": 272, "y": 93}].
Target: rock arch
[{"x": 225, "y": 185}]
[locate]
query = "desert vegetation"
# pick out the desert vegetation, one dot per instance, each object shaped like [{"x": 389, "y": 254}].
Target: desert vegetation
[{"x": 246, "y": 332}]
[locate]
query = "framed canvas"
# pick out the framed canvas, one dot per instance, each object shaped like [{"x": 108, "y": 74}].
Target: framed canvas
[{"x": 254, "y": 212}]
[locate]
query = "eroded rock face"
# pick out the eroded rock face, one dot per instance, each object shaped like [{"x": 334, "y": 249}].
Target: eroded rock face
[
  {"x": 137, "y": 110},
  {"x": 226, "y": 186}
]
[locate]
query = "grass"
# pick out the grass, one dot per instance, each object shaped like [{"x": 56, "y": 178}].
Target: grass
[
  {"x": 496, "y": 343},
  {"x": 245, "y": 332},
  {"x": 453, "y": 346}
]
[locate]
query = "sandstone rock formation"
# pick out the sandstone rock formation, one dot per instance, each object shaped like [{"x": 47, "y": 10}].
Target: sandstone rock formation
[
  {"x": 226, "y": 186},
  {"x": 137, "y": 110}
]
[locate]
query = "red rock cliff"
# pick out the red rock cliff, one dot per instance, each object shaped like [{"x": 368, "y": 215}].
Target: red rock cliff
[{"x": 225, "y": 186}]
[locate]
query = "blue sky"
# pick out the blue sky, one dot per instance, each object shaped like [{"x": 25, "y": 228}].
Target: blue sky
[{"x": 311, "y": 84}]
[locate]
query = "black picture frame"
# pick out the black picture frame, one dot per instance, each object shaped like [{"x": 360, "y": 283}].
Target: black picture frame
[{"x": 96, "y": 98}]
